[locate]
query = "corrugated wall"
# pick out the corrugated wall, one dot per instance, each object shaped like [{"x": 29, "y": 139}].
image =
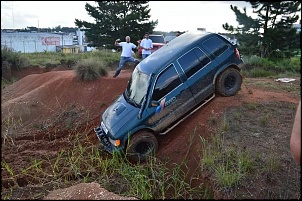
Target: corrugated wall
[{"x": 35, "y": 42}]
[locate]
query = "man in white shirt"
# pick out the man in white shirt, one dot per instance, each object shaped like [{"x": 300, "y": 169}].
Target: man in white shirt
[
  {"x": 146, "y": 45},
  {"x": 126, "y": 55}
]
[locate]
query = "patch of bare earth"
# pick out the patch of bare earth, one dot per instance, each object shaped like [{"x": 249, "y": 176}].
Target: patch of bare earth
[{"x": 45, "y": 105}]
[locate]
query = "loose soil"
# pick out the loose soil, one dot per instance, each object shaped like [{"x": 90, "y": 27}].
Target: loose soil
[{"x": 43, "y": 104}]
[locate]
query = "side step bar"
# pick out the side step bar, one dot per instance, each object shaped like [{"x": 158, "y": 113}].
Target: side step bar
[{"x": 189, "y": 114}]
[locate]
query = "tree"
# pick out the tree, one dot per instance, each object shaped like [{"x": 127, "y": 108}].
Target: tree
[
  {"x": 116, "y": 19},
  {"x": 271, "y": 32}
]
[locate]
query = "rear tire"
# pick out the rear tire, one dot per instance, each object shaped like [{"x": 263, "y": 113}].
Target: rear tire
[
  {"x": 229, "y": 82},
  {"x": 142, "y": 145}
]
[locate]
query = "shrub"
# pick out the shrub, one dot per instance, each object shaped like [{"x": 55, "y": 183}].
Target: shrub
[
  {"x": 255, "y": 66},
  {"x": 90, "y": 69},
  {"x": 16, "y": 60},
  {"x": 69, "y": 62},
  {"x": 290, "y": 64}
]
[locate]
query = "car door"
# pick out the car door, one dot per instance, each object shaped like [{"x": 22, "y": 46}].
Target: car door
[
  {"x": 200, "y": 71},
  {"x": 174, "y": 99}
]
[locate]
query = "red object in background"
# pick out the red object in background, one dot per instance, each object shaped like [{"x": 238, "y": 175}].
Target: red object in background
[
  {"x": 157, "y": 41},
  {"x": 50, "y": 40}
]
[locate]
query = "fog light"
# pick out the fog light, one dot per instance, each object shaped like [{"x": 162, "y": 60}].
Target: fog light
[{"x": 115, "y": 142}]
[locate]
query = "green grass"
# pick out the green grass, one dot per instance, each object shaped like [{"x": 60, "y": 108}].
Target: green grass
[
  {"x": 42, "y": 58},
  {"x": 227, "y": 164},
  {"x": 261, "y": 67}
]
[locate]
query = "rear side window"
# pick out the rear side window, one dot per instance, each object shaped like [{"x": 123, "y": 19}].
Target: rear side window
[
  {"x": 166, "y": 82},
  {"x": 215, "y": 45},
  {"x": 193, "y": 61}
]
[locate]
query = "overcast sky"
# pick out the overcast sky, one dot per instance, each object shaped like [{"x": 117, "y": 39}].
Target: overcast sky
[{"x": 171, "y": 16}]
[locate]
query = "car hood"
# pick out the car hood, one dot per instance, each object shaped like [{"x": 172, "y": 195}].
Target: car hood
[{"x": 117, "y": 117}]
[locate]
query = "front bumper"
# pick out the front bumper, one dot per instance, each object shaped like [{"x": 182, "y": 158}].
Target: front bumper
[{"x": 103, "y": 138}]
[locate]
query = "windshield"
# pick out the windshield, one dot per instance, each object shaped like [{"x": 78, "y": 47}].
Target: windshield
[{"x": 137, "y": 87}]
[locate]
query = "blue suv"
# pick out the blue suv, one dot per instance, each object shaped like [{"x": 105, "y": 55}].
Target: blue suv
[{"x": 166, "y": 88}]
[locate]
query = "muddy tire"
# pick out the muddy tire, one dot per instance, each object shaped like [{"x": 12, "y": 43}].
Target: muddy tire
[
  {"x": 142, "y": 145},
  {"x": 228, "y": 82}
]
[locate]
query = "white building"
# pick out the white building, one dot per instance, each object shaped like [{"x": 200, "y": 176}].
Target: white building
[{"x": 35, "y": 42}]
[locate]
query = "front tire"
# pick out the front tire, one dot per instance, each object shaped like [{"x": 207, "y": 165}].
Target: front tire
[
  {"x": 229, "y": 82},
  {"x": 141, "y": 146}
]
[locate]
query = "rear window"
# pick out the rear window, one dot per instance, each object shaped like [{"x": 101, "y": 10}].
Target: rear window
[
  {"x": 215, "y": 45},
  {"x": 193, "y": 61},
  {"x": 157, "y": 39}
]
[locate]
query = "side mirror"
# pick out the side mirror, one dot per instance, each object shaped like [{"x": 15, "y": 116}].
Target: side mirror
[{"x": 155, "y": 103}]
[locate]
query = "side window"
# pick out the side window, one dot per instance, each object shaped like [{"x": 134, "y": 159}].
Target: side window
[
  {"x": 166, "y": 82},
  {"x": 215, "y": 45},
  {"x": 193, "y": 61}
]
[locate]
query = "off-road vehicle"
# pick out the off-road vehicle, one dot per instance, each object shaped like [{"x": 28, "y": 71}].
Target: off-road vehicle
[{"x": 167, "y": 87}]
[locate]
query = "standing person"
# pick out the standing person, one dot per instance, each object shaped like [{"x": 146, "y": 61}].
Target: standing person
[
  {"x": 146, "y": 45},
  {"x": 126, "y": 55}
]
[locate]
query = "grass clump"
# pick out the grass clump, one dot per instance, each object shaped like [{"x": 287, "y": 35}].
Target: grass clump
[
  {"x": 90, "y": 69},
  {"x": 7, "y": 82},
  {"x": 16, "y": 60}
]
